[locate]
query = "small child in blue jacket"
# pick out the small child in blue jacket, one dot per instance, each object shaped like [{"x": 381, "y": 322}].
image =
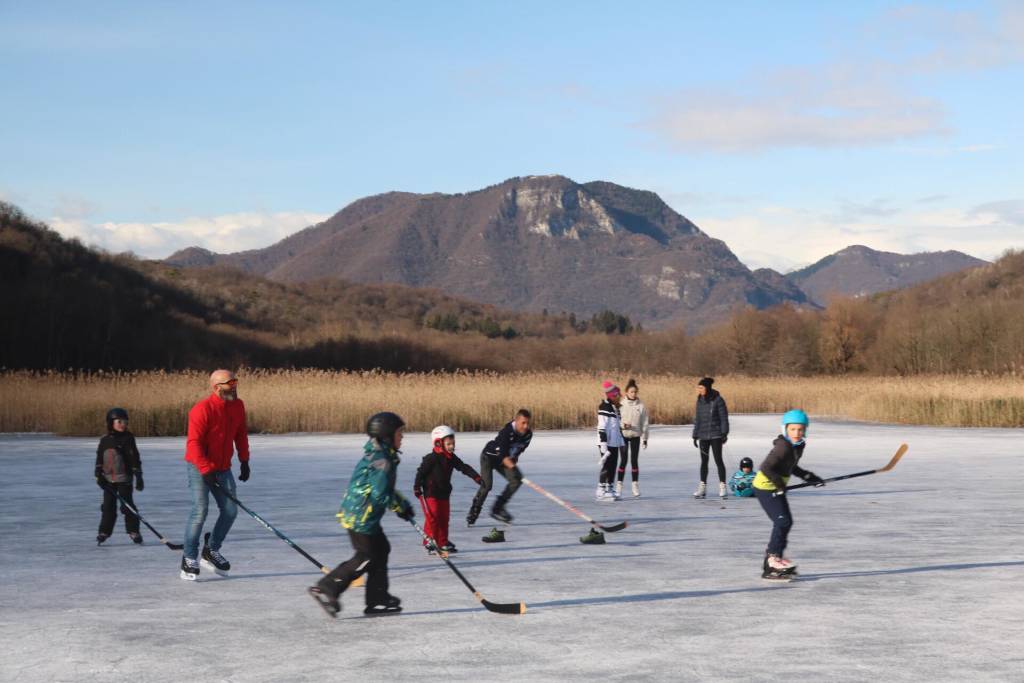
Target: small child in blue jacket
[{"x": 742, "y": 482}]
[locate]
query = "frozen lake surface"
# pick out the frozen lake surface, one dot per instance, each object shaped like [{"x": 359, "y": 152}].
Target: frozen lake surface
[{"x": 917, "y": 574}]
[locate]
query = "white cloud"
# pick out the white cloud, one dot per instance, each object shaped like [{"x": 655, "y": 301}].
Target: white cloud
[
  {"x": 784, "y": 238},
  {"x": 224, "y": 233},
  {"x": 819, "y": 108},
  {"x": 869, "y": 97}
]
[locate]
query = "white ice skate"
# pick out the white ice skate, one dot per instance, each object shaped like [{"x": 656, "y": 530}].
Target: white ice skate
[
  {"x": 721, "y": 490},
  {"x": 701, "y": 492},
  {"x": 636, "y": 489},
  {"x": 618, "y": 489}
]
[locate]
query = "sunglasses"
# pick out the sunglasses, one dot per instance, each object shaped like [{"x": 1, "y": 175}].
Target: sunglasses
[{"x": 229, "y": 383}]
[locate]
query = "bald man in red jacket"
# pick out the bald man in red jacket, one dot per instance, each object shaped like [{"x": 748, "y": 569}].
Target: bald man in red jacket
[{"x": 216, "y": 430}]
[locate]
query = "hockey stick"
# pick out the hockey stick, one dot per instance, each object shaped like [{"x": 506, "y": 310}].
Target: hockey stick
[
  {"x": 497, "y": 607},
  {"x": 171, "y": 546},
  {"x": 610, "y": 529},
  {"x": 892, "y": 463},
  {"x": 269, "y": 527}
]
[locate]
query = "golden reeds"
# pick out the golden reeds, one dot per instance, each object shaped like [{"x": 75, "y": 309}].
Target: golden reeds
[{"x": 323, "y": 401}]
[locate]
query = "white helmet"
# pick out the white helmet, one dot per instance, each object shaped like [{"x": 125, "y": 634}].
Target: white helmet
[{"x": 440, "y": 433}]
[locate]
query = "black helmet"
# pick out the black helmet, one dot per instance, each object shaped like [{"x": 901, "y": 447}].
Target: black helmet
[
  {"x": 383, "y": 426},
  {"x": 746, "y": 462},
  {"x": 115, "y": 414}
]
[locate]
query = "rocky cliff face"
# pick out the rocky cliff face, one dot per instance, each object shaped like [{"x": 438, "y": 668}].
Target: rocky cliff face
[{"x": 541, "y": 242}]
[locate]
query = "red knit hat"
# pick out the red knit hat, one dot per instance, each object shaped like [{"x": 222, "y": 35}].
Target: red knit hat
[{"x": 609, "y": 389}]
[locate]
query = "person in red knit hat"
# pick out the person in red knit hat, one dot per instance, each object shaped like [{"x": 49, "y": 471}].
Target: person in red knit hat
[
  {"x": 610, "y": 441},
  {"x": 216, "y": 429}
]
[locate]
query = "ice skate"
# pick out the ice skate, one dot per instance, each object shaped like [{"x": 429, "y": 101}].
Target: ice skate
[
  {"x": 449, "y": 548},
  {"x": 701, "y": 492},
  {"x": 471, "y": 517},
  {"x": 389, "y": 605},
  {"x": 101, "y": 537},
  {"x": 136, "y": 537},
  {"x": 636, "y": 489},
  {"x": 618, "y": 489},
  {"x": 779, "y": 564},
  {"x": 721, "y": 490},
  {"x": 501, "y": 514},
  {"x": 331, "y": 605},
  {"x": 189, "y": 569},
  {"x": 213, "y": 560}
]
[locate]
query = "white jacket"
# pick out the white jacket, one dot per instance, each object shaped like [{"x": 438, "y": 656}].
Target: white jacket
[
  {"x": 634, "y": 413},
  {"x": 609, "y": 429}
]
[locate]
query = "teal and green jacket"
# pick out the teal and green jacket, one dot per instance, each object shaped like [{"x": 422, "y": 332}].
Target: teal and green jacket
[{"x": 371, "y": 491}]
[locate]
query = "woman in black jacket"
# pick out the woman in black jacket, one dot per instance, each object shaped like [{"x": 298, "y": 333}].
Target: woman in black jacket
[{"x": 710, "y": 432}]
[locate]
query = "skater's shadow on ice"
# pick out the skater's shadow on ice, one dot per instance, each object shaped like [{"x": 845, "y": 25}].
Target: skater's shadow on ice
[
  {"x": 415, "y": 569},
  {"x": 804, "y": 578},
  {"x": 619, "y": 541}
]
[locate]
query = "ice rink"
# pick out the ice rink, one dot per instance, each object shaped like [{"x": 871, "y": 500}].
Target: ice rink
[{"x": 912, "y": 575}]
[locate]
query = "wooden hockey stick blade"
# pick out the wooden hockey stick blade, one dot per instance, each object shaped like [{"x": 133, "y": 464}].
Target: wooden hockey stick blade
[
  {"x": 895, "y": 458},
  {"x": 502, "y": 607}
]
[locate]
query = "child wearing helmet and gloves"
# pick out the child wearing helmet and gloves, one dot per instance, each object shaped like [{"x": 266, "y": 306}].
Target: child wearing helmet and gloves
[
  {"x": 770, "y": 489},
  {"x": 742, "y": 482},
  {"x": 117, "y": 463},
  {"x": 371, "y": 492},
  {"x": 433, "y": 485}
]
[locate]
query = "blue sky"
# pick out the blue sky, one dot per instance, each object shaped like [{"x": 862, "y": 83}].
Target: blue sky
[{"x": 789, "y": 130}]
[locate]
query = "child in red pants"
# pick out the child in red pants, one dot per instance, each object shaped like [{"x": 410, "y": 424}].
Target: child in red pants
[{"x": 433, "y": 485}]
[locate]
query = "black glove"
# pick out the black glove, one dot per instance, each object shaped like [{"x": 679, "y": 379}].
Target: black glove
[
  {"x": 725, "y": 439},
  {"x": 210, "y": 479},
  {"x": 244, "y": 474},
  {"x": 139, "y": 484},
  {"x": 406, "y": 513},
  {"x": 100, "y": 479},
  {"x": 696, "y": 444},
  {"x": 418, "y": 492},
  {"x": 812, "y": 478}
]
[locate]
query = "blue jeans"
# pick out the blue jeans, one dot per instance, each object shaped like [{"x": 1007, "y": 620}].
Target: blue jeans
[
  {"x": 777, "y": 510},
  {"x": 200, "y": 505}
]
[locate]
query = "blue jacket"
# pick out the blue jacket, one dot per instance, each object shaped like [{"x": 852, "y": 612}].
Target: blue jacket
[
  {"x": 742, "y": 484},
  {"x": 371, "y": 491}
]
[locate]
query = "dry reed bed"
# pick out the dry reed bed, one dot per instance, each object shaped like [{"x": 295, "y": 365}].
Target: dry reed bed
[{"x": 320, "y": 401}]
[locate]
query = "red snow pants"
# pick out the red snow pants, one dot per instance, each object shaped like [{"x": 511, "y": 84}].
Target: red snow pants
[{"x": 436, "y": 511}]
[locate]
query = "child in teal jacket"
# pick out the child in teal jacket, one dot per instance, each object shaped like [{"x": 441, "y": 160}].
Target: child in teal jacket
[
  {"x": 371, "y": 492},
  {"x": 742, "y": 482}
]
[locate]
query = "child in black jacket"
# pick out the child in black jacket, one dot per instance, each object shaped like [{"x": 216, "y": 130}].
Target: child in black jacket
[
  {"x": 433, "y": 485},
  {"x": 117, "y": 462}
]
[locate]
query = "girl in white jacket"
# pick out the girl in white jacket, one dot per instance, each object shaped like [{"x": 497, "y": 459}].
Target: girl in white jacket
[
  {"x": 610, "y": 441},
  {"x": 634, "y": 417}
]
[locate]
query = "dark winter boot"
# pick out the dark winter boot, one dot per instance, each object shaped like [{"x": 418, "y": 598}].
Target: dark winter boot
[
  {"x": 449, "y": 547},
  {"x": 496, "y": 536},
  {"x": 136, "y": 537},
  {"x": 101, "y": 537},
  {"x": 330, "y": 604},
  {"x": 595, "y": 537}
]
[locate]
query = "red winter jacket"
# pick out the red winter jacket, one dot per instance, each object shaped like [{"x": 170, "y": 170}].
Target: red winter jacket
[{"x": 215, "y": 429}]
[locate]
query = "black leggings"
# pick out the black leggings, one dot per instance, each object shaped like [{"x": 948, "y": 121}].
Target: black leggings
[
  {"x": 608, "y": 464},
  {"x": 630, "y": 450},
  {"x": 714, "y": 445}
]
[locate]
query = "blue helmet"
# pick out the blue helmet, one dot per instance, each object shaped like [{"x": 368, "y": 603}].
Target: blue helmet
[{"x": 795, "y": 417}]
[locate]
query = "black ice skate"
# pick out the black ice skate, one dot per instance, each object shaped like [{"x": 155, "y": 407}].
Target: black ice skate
[
  {"x": 213, "y": 560},
  {"x": 331, "y": 605}
]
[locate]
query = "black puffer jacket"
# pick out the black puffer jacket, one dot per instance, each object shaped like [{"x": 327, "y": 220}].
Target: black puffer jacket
[
  {"x": 434, "y": 476},
  {"x": 711, "y": 418},
  {"x": 118, "y": 457}
]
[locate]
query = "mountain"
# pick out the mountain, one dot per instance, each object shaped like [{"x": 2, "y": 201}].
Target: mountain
[
  {"x": 858, "y": 271},
  {"x": 67, "y": 306},
  {"x": 535, "y": 243}
]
